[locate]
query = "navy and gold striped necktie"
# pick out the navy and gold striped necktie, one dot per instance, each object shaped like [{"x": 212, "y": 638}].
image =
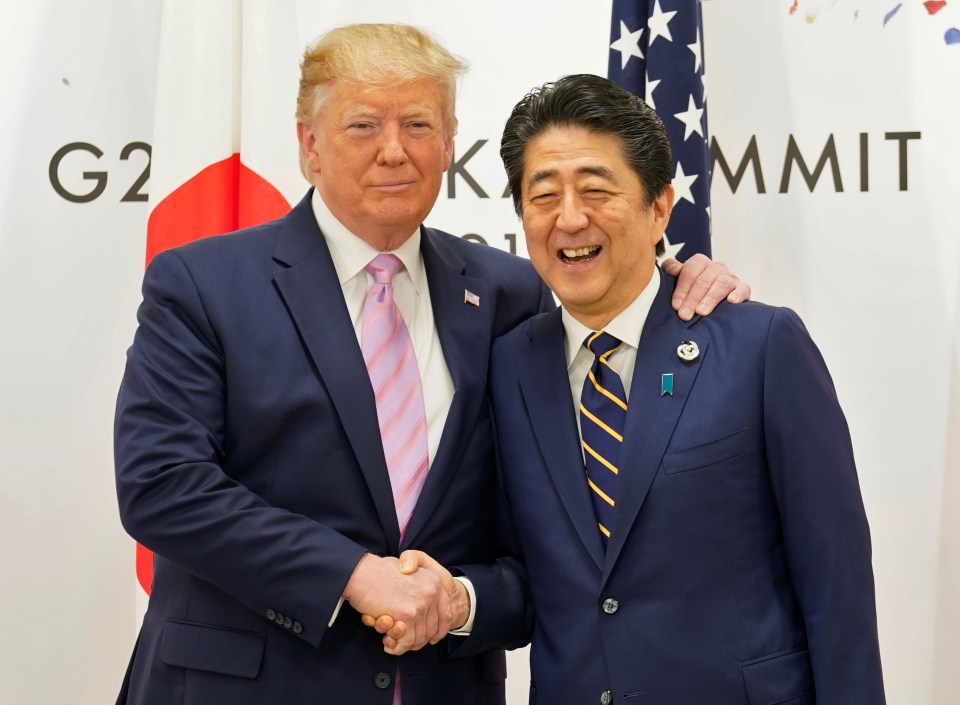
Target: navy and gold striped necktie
[{"x": 603, "y": 411}]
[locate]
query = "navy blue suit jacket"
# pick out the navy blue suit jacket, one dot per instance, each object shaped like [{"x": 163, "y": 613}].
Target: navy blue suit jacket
[
  {"x": 248, "y": 457},
  {"x": 738, "y": 571}
]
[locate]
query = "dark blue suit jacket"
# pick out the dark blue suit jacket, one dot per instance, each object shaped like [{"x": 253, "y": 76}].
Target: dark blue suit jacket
[
  {"x": 738, "y": 571},
  {"x": 248, "y": 457}
]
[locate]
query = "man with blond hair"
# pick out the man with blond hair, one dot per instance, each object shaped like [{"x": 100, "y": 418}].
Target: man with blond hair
[{"x": 305, "y": 399}]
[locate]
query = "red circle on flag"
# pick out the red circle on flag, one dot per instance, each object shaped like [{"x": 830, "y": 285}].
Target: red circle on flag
[{"x": 223, "y": 197}]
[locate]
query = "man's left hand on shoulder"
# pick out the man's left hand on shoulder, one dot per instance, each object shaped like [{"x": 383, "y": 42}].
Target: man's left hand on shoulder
[{"x": 702, "y": 284}]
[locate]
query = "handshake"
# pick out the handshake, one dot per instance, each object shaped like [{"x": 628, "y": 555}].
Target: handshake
[{"x": 411, "y": 600}]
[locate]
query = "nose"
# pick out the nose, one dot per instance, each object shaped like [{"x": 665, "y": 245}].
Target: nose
[
  {"x": 391, "y": 152},
  {"x": 572, "y": 218}
]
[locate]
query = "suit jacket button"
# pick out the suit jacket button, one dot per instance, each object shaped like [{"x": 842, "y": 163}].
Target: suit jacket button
[
  {"x": 382, "y": 680},
  {"x": 278, "y": 619},
  {"x": 271, "y": 615},
  {"x": 297, "y": 628},
  {"x": 606, "y": 697},
  {"x": 610, "y": 606},
  {"x": 287, "y": 622}
]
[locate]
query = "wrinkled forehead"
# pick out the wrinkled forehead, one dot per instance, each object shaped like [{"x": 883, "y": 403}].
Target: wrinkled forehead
[{"x": 421, "y": 96}]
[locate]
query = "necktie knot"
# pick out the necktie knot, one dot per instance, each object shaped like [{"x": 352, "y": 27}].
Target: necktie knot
[
  {"x": 384, "y": 268},
  {"x": 601, "y": 344}
]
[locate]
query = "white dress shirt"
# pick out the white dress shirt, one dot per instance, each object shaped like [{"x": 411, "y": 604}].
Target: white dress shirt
[
  {"x": 626, "y": 326},
  {"x": 411, "y": 293}
]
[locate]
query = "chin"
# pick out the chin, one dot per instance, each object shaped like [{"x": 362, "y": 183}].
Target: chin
[
  {"x": 571, "y": 297},
  {"x": 400, "y": 216}
]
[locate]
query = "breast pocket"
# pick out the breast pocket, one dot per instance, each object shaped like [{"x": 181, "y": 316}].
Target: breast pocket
[{"x": 709, "y": 453}]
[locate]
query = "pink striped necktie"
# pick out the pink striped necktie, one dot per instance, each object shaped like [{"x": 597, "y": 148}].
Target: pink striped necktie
[{"x": 392, "y": 365}]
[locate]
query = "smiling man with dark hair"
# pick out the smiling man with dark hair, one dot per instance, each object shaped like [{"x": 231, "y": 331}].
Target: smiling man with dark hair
[{"x": 679, "y": 499}]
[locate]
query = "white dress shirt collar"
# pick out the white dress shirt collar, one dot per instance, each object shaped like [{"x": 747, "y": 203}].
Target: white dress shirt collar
[
  {"x": 626, "y": 325},
  {"x": 351, "y": 254}
]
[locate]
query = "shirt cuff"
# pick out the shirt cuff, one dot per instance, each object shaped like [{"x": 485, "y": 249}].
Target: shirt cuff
[
  {"x": 333, "y": 618},
  {"x": 468, "y": 625}
]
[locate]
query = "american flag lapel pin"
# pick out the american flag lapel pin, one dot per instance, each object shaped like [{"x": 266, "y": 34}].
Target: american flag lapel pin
[{"x": 470, "y": 298}]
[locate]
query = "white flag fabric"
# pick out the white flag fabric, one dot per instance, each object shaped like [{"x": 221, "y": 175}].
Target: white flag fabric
[{"x": 223, "y": 143}]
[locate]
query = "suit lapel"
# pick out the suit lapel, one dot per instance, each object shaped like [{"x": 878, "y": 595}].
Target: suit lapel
[
  {"x": 464, "y": 331},
  {"x": 652, "y": 417},
  {"x": 312, "y": 293},
  {"x": 542, "y": 370}
]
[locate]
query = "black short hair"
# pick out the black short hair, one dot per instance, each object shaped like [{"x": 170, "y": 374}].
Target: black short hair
[{"x": 598, "y": 105}]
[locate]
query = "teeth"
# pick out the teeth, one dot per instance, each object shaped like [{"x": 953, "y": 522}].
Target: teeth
[{"x": 580, "y": 251}]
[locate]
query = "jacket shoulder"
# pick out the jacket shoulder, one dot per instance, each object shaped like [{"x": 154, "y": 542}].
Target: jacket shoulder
[
  {"x": 254, "y": 237},
  {"x": 227, "y": 255},
  {"x": 514, "y": 340},
  {"x": 751, "y": 313}
]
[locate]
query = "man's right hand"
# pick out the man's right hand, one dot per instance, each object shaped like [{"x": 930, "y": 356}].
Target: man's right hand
[
  {"x": 418, "y": 600},
  {"x": 395, "y": 631}
]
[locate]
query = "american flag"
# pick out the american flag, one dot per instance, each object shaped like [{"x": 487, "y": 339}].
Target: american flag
[{"x": 656, "y": 52}]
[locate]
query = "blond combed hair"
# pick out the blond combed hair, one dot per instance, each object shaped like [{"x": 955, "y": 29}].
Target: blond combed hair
[{"x": 376, "y": 55}]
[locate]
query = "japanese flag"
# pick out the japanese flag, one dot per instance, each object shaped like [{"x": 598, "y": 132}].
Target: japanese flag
[{"x": 224, "y": 142}]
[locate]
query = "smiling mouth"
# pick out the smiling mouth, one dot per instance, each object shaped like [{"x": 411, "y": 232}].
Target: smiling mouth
[{"x": 579, "y": 254}]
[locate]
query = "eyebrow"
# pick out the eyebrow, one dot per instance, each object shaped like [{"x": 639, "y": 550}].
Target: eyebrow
[
  {"x": 364, "y": 111},
  {"x": 359, "y": 113},
  {"x": 544, "y": 174}
]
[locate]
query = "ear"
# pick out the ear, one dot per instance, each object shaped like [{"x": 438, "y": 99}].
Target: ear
[
  {"x": 308, "y": 147},
  {"x": 447, "y": 151},
  {"x": 662, "y": 207}
]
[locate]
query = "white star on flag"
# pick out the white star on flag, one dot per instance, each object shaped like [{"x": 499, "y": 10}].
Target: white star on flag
[
  {"x": 658, "y": 24},
  {"x": 669, "y": 249},
  {"x": 695, "y": 48},
  {"x": 649, "y": 89},
  {"x": 692, "y": 118},
  {"x": 682, "y": 183},
  {"x": 628, "y": 44}
]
